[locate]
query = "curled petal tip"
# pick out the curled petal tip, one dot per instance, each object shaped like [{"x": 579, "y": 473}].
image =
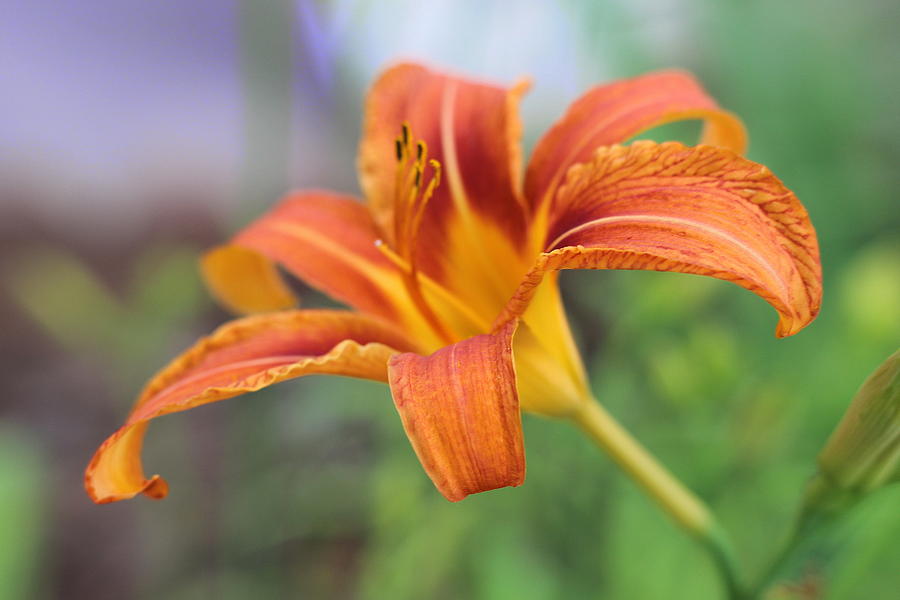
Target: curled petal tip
[
  {"x": 793, "y": 324},
  {"x": 156, "y": 488},
  {"x": 240, "y": 357}
]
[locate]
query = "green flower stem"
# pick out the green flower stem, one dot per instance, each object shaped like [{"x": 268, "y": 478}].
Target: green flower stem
[
  {"x": 688, "y": 511},
  {"x": 822, "y": 505},
  {"x": 781, "y": 564}
]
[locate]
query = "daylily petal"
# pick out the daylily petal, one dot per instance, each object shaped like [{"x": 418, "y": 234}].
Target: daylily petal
[
  {"x": 244, "y": 281},
  {"x": 477, "y": 215},
  {"x": 703, "y": 210},
  {"x": 460, "y": 409},
  {"x": 471, "y": 128},
  {"x": 325, "y": 239},
  {"x": 550, "y": 376},
  {"x": 242, "y": 356},
  {"x": 613, "y": 113}
]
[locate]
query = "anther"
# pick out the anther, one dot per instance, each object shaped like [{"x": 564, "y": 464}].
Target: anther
[
  {"x": 436, "y": 167},
  {"x": 409, "y": 210},
  {"x": 404, "y": 128}
]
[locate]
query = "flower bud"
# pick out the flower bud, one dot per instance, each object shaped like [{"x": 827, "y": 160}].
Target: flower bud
[{"x": 863, "y": 453}]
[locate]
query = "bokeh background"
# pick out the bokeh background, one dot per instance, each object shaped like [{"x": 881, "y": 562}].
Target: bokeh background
[{"x": 135, "y": 134}]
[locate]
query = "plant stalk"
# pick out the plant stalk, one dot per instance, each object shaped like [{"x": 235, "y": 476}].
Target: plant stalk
[
  {"x": 822, "y": 504},
  {"x": 685, "y": 508}
]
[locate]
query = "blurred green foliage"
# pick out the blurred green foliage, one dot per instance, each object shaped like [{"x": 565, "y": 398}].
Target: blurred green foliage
[
  {"x": 71, "y": 303},
  {"x": 23, "y": 528},
  {"x": 315, "y": 492}
]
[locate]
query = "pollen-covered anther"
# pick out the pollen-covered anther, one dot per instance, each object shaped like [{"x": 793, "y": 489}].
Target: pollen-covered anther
[{"x": 417, "y": 178}]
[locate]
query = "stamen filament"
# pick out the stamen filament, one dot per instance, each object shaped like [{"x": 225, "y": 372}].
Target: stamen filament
[
  {"x": 419, "y": 213},
  {"x": 433, "y": 287},
  {"x": 410, "y": 203},
  {"x": 415, "y": 293}
]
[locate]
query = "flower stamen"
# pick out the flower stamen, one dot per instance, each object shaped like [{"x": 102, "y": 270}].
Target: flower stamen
[
  {"x": 410, "y": 201},
  {"x": 411, "y": 282}
]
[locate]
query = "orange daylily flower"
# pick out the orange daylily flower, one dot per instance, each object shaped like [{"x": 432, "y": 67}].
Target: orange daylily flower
[{"x": 451, "y": 265}]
